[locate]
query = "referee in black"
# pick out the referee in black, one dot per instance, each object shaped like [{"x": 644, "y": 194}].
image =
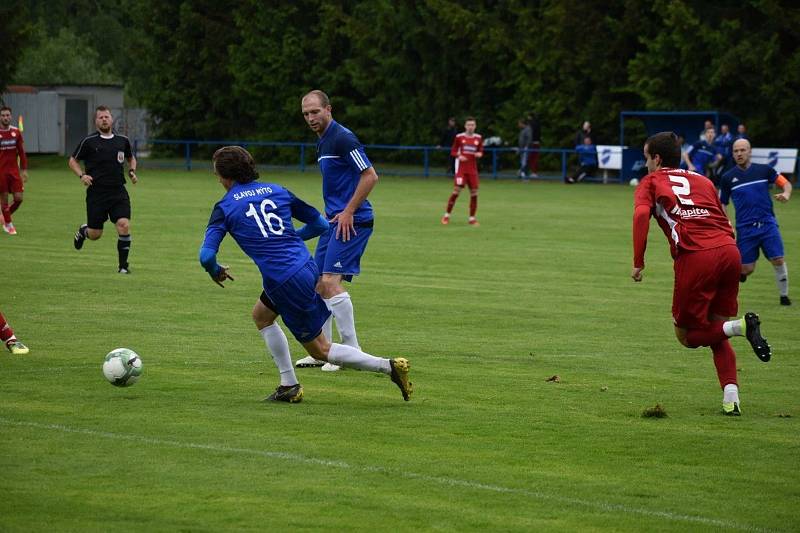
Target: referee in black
[{"x": 104, "y": 154}]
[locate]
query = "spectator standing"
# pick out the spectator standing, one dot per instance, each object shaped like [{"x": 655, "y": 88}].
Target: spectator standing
[
  {"x": 741, "y": 133},
  {"x": 523, "y": 145},
  {"x": 707, "y": 124},
  {"x": 724, "y": 145},
  {"x": 536, "y": 140},
  {"x": 585, "y": 131},
  {"x": 446, "y": 140}
]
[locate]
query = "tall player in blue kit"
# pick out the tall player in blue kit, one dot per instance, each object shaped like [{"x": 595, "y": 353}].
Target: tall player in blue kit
[
  {"x": 347, "y": 179},
  {"x": 259, "y": 217},
  {"x": 748, "y": 185}
]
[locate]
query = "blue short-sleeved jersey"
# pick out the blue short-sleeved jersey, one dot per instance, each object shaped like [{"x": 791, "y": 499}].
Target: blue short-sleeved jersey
[
  {"x": 587, "y": 154},
  {"x": 724, "y": 144},
  {"x": 749, "y": 189},
  {"x": 259, "y": 218},
  {"x": 342, "y": 159},
  {"x": 701, "y": 154}
]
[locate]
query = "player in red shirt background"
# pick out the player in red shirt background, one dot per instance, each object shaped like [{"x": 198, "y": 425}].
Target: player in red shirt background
[
  {"x": 467, "y": 149},
  {"x": 11, "y": 147},
  {"x": 707, "y": 261}
]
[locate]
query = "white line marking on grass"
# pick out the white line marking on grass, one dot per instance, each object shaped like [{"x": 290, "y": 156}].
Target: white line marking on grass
[{"x": 452, "y": 482}]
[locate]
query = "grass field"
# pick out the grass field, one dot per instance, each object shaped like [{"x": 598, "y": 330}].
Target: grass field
[{"x": 485, "y": 316}]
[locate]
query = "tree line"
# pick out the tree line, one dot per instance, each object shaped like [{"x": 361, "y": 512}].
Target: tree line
[{"x": 395, "y": 70}]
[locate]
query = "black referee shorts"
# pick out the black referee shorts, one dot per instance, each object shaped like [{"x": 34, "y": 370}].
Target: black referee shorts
[{"x": 106, "y": 205}]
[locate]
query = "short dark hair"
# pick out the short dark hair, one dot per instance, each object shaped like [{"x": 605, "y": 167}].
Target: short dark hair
[
  {"x": 666, "y": 145},
  {"x": 324, "y": 101},
  {"x": 235, "y": 163},
  {"x": 101, "y": 108},
  {"x": 470, "y": 118},
  {"x": 4, "y": 108}
]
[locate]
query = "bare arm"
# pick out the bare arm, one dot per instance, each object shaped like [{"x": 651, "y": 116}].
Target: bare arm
[
  {"x": 787, "y": 189},
  {"x": 75, "y": 166},
  {"x": 132, "y": 171},
  {"x": 688, "y": 162},
  {"x": 344, "y": 220}
]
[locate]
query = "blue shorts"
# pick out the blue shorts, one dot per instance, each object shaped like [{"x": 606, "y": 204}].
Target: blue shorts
[
  {"x": 764, "y": 236},
  {"x": 334, "y": 256},
  {"x": 297, "y": 302}
]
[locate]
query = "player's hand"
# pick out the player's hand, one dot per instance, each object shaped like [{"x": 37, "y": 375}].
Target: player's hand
[
  {"x": 87, "y": 180},
  {"x": 222, "y": 275},
  {"x": 134, "y": 178},
  {"x": 462, "y": 158},
  {"x": 636, "y": 274},
  {"x": 344, "y": 225},
  {"x": 782, "y": 197},
  {"x": 24, "y": 174},
  {"x": 478, "y": 154},
  {"x": 693, "y": 168}
]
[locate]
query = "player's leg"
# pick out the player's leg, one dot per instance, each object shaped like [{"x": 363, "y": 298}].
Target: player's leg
[
  {"x": 18, "y": 197},
  {"x": 8, "y": 338},
  {"x": 772, "y": 244},
  {"x": 350, "y": 357},
  {"x": 458, "y": 186},
  {"x": 748, "y": 241},
  {"x": 327, "y": 328},
  {"x": 96, "y": 215},
  {"x": 342, "y": 262},
  {"x": 472, "y": 181},
  {"x": 264, "y": 315},
  {"x": 15, "y": 187},
  {"x": 4, "y": 207},
  {"x": 120, "y": 215}
]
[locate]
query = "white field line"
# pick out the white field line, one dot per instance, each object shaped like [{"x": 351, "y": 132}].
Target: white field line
[{"x": 437, "y": 480}]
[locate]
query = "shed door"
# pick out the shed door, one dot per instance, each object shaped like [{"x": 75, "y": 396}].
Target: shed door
[{"x": 76, "y": 116}]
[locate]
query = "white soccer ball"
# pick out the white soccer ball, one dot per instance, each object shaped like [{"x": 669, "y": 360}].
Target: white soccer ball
[
  {"x": 634, "y": 182},
  {"x": 122, "y": 367}
]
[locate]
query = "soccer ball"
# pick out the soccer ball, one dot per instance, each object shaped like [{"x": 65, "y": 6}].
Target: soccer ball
[
  {"x": 634, "y": 182},
  {"x": 122, "y": 367}
]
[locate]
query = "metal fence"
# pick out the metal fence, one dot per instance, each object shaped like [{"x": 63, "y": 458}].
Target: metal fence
[
  {"x": 428, "y": 161},
  {"x": 498, "y": 162}
]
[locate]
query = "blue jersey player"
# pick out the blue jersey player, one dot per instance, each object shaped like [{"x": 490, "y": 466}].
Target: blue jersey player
[
  {"x": 259, "y": 218},
  {"x": 703, "y": 154},
  {"x": 347, "y": 179},
  {"x": 748, "y": 185}
]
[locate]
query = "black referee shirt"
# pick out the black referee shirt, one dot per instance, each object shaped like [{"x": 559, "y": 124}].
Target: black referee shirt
[{"x": 104, "y": 159}]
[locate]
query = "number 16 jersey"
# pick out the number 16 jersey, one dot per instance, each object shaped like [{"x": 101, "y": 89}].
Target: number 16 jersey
[
  {"x": 259, "y": 218},
  {"x": 686, "y": 207}
]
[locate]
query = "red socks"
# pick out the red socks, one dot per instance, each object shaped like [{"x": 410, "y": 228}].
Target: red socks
[
  {"x": 473, "y": 205},
  {"x": 6, "y": 332},
  {"x": 451, "y": 202},
  {"x": 725, "y": 361}
]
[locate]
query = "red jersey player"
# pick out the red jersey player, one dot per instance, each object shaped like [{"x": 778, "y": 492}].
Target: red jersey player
[
  {"x": 467, "y": 149},
  {"x": 11, "y": 146},
  {"x": 707, "y": 261}
]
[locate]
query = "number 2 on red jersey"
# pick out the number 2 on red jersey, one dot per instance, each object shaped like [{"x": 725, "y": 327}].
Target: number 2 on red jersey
[{"x": 682, "y": 189}]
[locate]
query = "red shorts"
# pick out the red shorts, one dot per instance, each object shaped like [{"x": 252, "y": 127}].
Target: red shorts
[
  {"x": 468, "y": 179},
  {"x": 706, "y": 282},
  {"x": 10, "y": 182}
]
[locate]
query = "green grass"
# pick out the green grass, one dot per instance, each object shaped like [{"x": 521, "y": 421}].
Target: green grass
[{"x": 485, "y": 315}]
